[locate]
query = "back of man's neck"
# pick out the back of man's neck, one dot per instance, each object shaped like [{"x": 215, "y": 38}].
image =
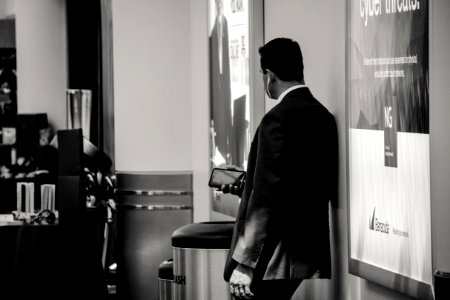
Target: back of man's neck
[{"x": 285, "y": 85}]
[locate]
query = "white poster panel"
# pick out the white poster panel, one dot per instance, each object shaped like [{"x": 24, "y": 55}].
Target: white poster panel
[
  {"x": 390, "y": 207},
  {"x": 389, "y": 157},
  {"x": 229, "y": 91}
]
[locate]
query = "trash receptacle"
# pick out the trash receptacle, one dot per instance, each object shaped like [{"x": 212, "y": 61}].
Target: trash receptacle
[
  {"x": 441, "y": 285},
  {"x": 165, "y": 280},
  {"x": 199, "y": 255}
]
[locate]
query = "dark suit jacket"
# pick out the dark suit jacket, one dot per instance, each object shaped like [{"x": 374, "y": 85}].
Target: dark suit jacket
[{"x": 291, "y": 176}]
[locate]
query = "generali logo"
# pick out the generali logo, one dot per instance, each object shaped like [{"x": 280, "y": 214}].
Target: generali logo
[{"x": 377, "y": 225}]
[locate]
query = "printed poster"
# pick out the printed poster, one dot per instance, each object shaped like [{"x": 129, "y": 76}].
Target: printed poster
[
  {"x": 389, "y": 156},
  {"x": 229, "y": 91}
]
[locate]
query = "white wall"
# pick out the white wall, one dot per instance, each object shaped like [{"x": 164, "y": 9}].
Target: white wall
[
  {"x": 161, "y": 90},
  {"x": 200, "y": 109},
  {"x": 152, "y": 85},
  {"x": 319, "y": 27},
  {"x": 41, "y": 43},
  {"x": 6, "y": 8}
]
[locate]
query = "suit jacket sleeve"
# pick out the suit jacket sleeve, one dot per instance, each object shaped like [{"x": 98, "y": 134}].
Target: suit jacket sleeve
[{"x": 261, "y": 211}]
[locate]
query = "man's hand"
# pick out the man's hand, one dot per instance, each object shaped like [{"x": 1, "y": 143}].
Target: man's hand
[
  {"x": 240, "y": 282},
  {"x": 234, "y": 189}
]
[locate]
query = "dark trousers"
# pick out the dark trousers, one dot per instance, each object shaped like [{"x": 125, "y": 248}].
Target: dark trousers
[{"x": 275, "y": 289}]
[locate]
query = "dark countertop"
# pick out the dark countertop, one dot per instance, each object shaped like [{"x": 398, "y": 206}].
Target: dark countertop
[{"x": 51, "y": 262}]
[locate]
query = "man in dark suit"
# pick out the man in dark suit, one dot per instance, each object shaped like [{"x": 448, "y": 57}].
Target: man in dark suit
[{"x": 281, "y": 235}]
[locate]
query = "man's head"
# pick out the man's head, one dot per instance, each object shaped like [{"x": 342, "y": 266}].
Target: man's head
[{"x": 282, "y": 64}]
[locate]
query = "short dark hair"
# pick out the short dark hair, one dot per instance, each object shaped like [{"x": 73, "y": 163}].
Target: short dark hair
[{"x": 284, "y": 58}]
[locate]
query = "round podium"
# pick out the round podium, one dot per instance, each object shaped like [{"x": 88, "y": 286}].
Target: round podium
[{"x": 199, "y": 255}]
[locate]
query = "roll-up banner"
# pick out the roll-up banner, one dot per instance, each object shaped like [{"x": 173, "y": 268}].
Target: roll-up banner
[
  {"x": 229, "y": 91},
  {"x": 388, "y": 142}
]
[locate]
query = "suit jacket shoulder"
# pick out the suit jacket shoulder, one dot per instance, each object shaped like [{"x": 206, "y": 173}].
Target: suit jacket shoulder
[{"x": 299, "y": 101}]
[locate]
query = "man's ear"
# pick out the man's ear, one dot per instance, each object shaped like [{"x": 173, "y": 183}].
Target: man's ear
[{"x": 270, "y": 76}]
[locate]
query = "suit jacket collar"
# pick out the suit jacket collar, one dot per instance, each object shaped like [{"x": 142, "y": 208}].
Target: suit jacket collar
[
  {"x": 287, "y": 91},
  {"x": 302, "y": 94}
]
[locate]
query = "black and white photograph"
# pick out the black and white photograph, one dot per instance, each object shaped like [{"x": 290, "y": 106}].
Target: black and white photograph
[{"x": 224, "y": 149}]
